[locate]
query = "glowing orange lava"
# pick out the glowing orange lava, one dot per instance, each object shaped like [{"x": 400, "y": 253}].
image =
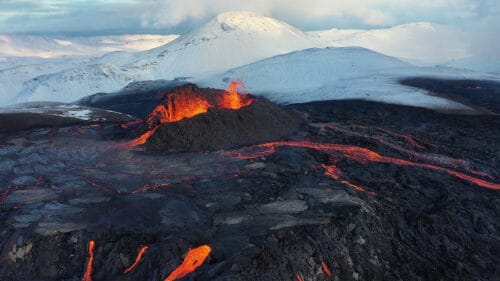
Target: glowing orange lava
[
  {"x": 142, "y": 251},
  {"x": 194, "y": 259},
  {"x": 88, "y": 271},
  {"x": 182, "y": 105},
  {"x": 299, "y": 277},
  {"x": 326, "y": 269},
  {"x": 358, "y": 154},
  {"x": 235, "y": 96},
  {"x": 357, "y": 187},
  {"x": 332, "y": 171}
]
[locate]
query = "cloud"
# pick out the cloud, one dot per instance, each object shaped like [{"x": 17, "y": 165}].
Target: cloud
[
  {"x": 482, "y": 34},
  {"x": 476, "y": 19},
  {"x": 169, "y": 13}
]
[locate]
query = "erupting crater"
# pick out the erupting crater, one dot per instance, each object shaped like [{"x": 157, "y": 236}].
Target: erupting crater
[{"x": 198, "y": 119}]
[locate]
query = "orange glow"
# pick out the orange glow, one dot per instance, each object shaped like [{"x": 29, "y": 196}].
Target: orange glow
[
  {"x": 326, "y": 269},
  {"x": 180, "y": 105},
  {"x": 332, "y": 171},
  {"x": 137, "y": 259},
  {"x": 235, "y": 96},
  {"x": 299, "y": 277},
  {"x": 360, "y": 155},
  {"x": 357, "y": 187},
  {"x": 194, "y": 259},
  {"x": 88, "y": 271},
  {"x": 140, "y": 139}
]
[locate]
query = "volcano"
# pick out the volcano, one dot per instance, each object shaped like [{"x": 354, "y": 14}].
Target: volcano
[
  {"x": 198, "y": 119},
  {"x": 330, "y": 190}
]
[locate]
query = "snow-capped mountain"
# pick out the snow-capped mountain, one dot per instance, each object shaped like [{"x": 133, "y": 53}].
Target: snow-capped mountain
[
  {"x": 337, "y": 73},
  {"x": 421, "y": 43},
  {"x": 230, "y": 40},
  {"x": 50, "y": 47},
  {"x": 69, "y": 85},
  {"x": 27, "y": 61},
  {"x": 15, "y": 71}
]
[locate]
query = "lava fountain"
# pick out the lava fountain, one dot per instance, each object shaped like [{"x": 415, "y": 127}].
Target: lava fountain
[
  {"x": 188, "y": 102},
  {"x": 201, "y": 119},
  {"x": 235, "y": 96}
]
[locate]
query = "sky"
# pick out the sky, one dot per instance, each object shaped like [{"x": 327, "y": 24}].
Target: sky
[{"x": 102, "y": 17}]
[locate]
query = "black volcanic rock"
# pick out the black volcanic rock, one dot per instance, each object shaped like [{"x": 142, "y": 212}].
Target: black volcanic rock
[
  {"x": 265, "y": 218},
  {"x": 261, "y": 121}
]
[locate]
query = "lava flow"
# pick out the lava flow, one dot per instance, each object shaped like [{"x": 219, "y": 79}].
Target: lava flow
[
  {"x": 186, "y": 104},
  {"x": 88, "y": 271},
  {"x": 194, "y": 259},
  {"x": 358, "y": 154},
  {"x": 326, "y": 269},
  {"x": 142, "y": 251}
]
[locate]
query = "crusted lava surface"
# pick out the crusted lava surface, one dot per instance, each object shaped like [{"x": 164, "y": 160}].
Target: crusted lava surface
[{"x": 365, "y": 191}]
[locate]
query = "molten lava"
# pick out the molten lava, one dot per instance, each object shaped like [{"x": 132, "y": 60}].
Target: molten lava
[
  {"x": 299, "y": 277},
  {"x": 194, "y": 259},
  {"x": 357, "y": 187},
  {"x": 185, "y": 104},
  {"x": 326, "y": 269},
  {"x": 87, "y": 276},
  {"x": 142, "y": 251},
  {"x": 332, "y": 171},
  {"x": 358, "y": 154},
  {"x": 235, "y": 96}
]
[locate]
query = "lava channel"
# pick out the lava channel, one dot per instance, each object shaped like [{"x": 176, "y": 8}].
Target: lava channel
[
  {"x": 194, "y": 259},
  {"x": 142, "y": 251},
  {"x": 326, "y": 269},
  {"x": 356, "y": 153},
  {"x": 87, "y": 276}
]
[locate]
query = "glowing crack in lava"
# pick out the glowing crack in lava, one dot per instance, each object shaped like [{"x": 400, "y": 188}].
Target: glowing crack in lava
[
  {"x": 326, "y": 269},
  {"x": 186, "y": 105},
  {"x": 194, "y": 259},
  {"x": 142, "y": 251},
  {"x": 299, "y": 277},
  {"x": 87, "y": 276},
  {"x": 334, "y": 172},
  {"x": 355, "y": 153}
]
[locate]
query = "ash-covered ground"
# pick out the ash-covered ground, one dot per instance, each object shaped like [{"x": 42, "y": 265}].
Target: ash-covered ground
[{"x": 364, "y": 191}]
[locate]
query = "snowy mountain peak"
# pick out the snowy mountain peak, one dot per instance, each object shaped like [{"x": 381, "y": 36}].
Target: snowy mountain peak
[
  {"x": 229, "y": 40},
  {"x": 248, "y": 21}
]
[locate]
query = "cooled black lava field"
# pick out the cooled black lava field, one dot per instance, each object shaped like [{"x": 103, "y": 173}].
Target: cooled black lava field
[{"x": 359, "y": 191}]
